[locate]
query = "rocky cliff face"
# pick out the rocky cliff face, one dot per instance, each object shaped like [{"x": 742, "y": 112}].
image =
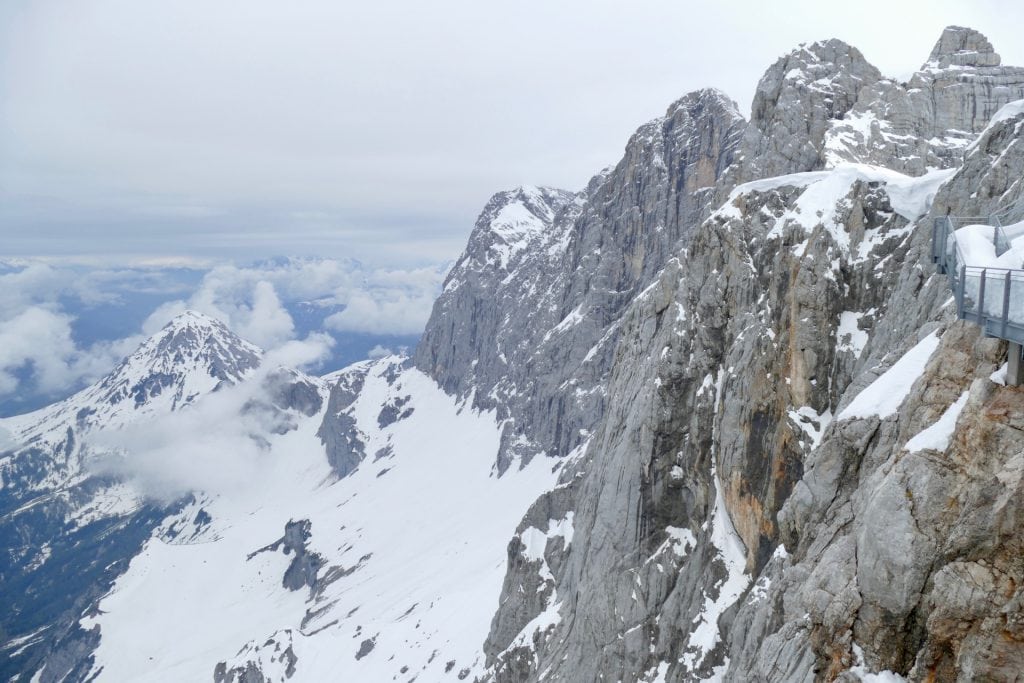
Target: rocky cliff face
[
  {"x": 928, "y": 121},
  {"x": 530, "y": 315},
  {"x": 796, "y": 103},
  {"x": 904, "y": 537},
  {"x": 766, "y": 489}
]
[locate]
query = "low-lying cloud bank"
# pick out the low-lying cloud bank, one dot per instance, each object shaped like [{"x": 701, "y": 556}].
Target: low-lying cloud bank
[
  {"x": 217, "y": 446},
  {"x": 37, "y": 345},
  {"x": 44, "y": 352}
]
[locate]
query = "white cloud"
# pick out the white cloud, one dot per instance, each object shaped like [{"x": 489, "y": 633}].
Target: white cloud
[
  {"x": 36, "y": 332},
  {"x": 212, "y": 446},
  {"x": 41, "y": 338},
  {"x": 379, "y": 351},
  {"x": 217, "y": 445},
  {"x": 301, "y": 353},
  {"x": 395, "y": 314},
  {"x": 379, "y": 301},
  {"x": 36, "y": 284},
  {"x": 264, "y": 321},
  {"x": 390, "y": 302},
  {"x": 249, "y": 306}
]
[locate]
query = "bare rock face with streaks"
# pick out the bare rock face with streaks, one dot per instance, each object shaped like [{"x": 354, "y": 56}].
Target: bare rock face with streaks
[
  {"x": 737, "y": 512},
  {"x": 929, "y": 121},
  {"x": 887, "y": 530},
  {"x": 796, "y": 102},
  {"x": 547, "y": 276}
]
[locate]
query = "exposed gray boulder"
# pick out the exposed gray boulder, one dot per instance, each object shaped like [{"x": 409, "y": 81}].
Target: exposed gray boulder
[
  {"x": 338, "y": 431},
  {"x": 305, "y": 564}
]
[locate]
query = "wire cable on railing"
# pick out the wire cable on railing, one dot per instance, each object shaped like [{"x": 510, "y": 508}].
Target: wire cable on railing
[{"x": 1016, "y": 205}]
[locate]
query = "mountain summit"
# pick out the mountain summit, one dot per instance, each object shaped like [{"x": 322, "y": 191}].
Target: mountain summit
[
  {"x": 192, "y": 355},
  {"x": 52, "y": 506},
  {"x": 960, "y": 46}
]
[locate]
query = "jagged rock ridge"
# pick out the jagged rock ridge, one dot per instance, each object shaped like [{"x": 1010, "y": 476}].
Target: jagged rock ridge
[{"x": 531, "y": 331}]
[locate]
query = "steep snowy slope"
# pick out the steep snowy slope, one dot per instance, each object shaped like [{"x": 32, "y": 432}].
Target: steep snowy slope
[
  {"x": 394, "y": 568},
  {"x": 66, "y": 530}
]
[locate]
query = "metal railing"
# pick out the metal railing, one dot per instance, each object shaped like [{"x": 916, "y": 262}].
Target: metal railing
[
  {"x": 1014, "y": 208},
  {"x": 999, "y": 238},
  {"x": 992, "y": 298}
]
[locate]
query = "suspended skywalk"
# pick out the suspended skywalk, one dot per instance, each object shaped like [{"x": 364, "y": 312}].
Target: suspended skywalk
[{"x": 984, "y": 260}]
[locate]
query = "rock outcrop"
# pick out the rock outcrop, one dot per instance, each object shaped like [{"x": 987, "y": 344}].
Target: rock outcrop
[
  {"x": 796, "y": 102},
  {"x": 736, "y": 511},
  {"x": 529, "y": 316},
  {"x": 929, "y": 121}
]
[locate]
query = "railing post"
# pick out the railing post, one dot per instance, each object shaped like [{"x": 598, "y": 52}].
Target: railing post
[
  {"x": 1006, "y": 303},
  {"x": 960, "y": 293},
  {"x": 999, "y": 238},
  {"x": 1014, "y": 367},
  {"x": 981, "y": 298},
  {"x": 947, "y": 235},
  {"x": 949, "y": 258}
]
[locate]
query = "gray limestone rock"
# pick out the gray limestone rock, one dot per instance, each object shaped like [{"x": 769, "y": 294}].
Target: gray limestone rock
[
  {"x": 289, "y": 390},
  {"x": 723, "y": 401},
  {"x": 929, "y": 121},
  {"x": 338, "y": 431},
  {"x": 530, "y": 315},
  {"x": 273, "y": 660},
  {"x": 961, "y": 46},
  {"x": 305, "y": 564},
  {"x": 795, "y": 103}
]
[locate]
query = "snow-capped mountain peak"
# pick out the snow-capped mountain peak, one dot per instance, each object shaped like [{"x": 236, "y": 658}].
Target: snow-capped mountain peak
[
  {"x": 193, "y": 353},
  {"x": 514, "y": 220},
  {"x": 190, "y": 356}
]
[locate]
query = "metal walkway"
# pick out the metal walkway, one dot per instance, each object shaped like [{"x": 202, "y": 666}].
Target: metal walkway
[{"x": 992, "y": 298}]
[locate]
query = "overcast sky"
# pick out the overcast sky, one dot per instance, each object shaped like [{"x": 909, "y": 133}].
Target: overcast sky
[{"x": 209, "y": 129}]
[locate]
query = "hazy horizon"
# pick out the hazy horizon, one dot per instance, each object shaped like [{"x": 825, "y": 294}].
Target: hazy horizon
[{"x": 131, "y": 133}]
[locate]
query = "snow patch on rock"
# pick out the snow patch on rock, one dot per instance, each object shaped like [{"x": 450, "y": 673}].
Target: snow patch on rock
[{"x": 884, "y": 396}]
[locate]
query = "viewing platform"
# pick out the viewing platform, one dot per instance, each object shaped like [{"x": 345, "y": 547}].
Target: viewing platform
[{"x": 984, "y": 261}]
